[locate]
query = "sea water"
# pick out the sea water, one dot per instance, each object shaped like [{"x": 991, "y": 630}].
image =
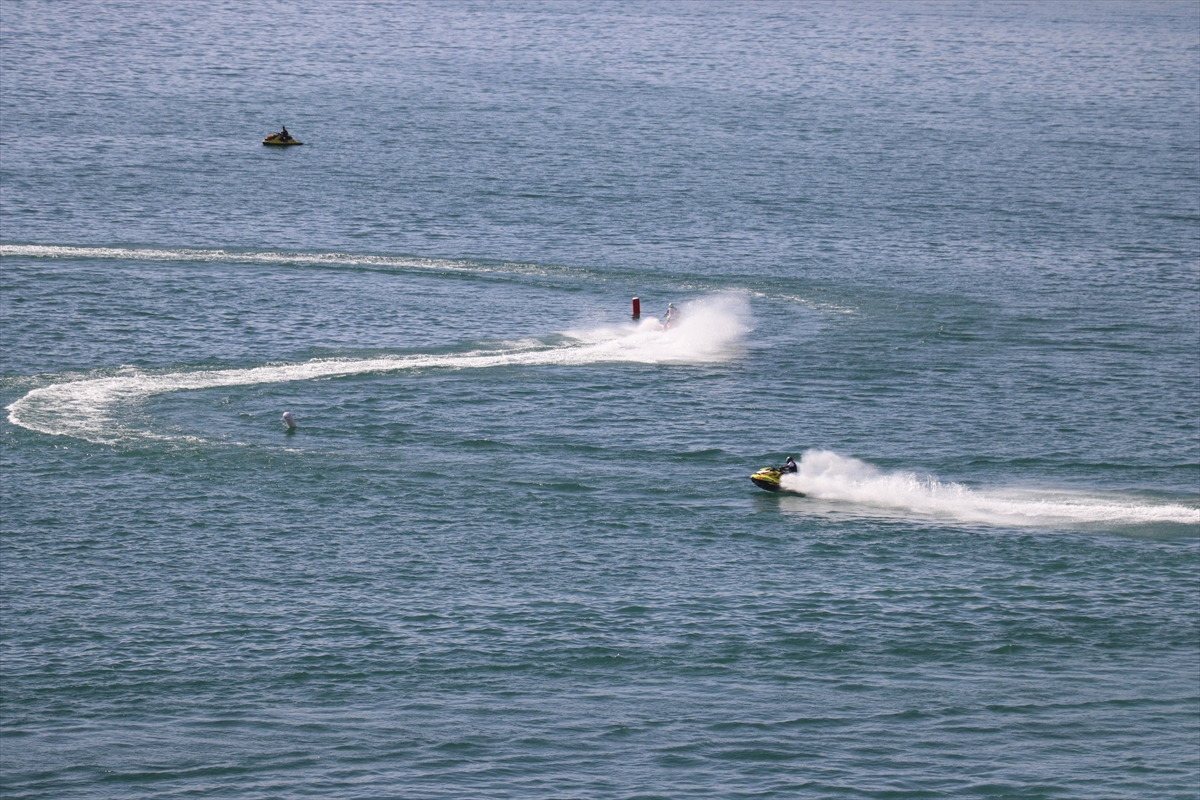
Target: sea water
[{"x": 947, "y": 255}]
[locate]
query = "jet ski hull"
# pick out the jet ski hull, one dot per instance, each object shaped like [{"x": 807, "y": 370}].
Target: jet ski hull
[
  {"x": 769, "y": 478},
  {"x": 273, "y": 142}
]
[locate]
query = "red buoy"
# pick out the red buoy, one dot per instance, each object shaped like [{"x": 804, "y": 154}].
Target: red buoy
[{"x": 637, "y": 308}]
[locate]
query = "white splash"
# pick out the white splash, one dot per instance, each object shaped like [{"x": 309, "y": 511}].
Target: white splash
[
  {"x": 703, "y": 331},
  {"x": 92, "y": 408},
  {"x": 828, "y": 476}
]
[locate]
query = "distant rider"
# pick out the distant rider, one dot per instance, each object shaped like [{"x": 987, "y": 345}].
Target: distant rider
[
  {"x": 284, "y": 135},
  {"x": 670, "y": 316},
  {"x": 790, "y": 466}
]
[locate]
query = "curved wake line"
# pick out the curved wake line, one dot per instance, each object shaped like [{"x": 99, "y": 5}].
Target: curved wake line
[
  {"x": 90, "y": 409},
  {"x": 364, "y": 261},
  {"x": 825, "y": 475},
  {"x": 273, "y": 258}
]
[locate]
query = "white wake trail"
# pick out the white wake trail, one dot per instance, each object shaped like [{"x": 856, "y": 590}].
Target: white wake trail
[
  {"x": 274, "y": 258},
  {"x": 229, "y": 257},
  {"x": 91, "y": 409},
  {"x": 825, "y": 475}
]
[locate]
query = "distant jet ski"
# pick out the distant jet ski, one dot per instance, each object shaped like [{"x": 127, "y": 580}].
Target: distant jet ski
[
  {"x": 769, "y": 478},
  {"x": 281, "y": 139}
]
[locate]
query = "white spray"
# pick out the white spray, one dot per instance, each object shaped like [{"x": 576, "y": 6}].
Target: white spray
[{"x": 824, "y": 475}]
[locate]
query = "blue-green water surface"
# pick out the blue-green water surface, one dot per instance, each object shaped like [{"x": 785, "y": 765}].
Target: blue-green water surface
[{"x": 947, "y": 255}]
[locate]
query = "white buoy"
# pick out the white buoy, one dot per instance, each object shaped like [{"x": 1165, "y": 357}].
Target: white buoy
[{"x": 287, "y": 420}]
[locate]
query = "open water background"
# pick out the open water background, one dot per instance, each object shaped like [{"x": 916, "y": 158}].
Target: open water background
[{"x": 948, "y": 253}]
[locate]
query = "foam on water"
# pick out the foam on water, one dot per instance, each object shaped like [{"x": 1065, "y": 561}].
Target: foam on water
[
  {"x": 708, "y": 330},
  {"x": 825, "y": 475},
  {"x": 387, "y": 263},
  {"x": 269, "y": 257}
]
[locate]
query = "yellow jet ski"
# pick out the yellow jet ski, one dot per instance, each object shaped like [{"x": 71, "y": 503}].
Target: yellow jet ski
[
  {"x": 768, "y": 478},
  {"x": 278, "y": 140}
]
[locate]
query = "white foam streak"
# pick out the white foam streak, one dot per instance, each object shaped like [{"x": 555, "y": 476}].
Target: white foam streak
[
  {"x": 825, "y": 475},
  {"x": 267, "y": 257},
  {"x": 92, "y": 409}
]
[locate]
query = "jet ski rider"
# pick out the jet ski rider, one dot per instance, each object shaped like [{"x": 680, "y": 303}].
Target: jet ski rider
[
  {"x": 670, "y": 316},
  {"x": 790, "y": 466},
  {"x": 283, "y": 135}
]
